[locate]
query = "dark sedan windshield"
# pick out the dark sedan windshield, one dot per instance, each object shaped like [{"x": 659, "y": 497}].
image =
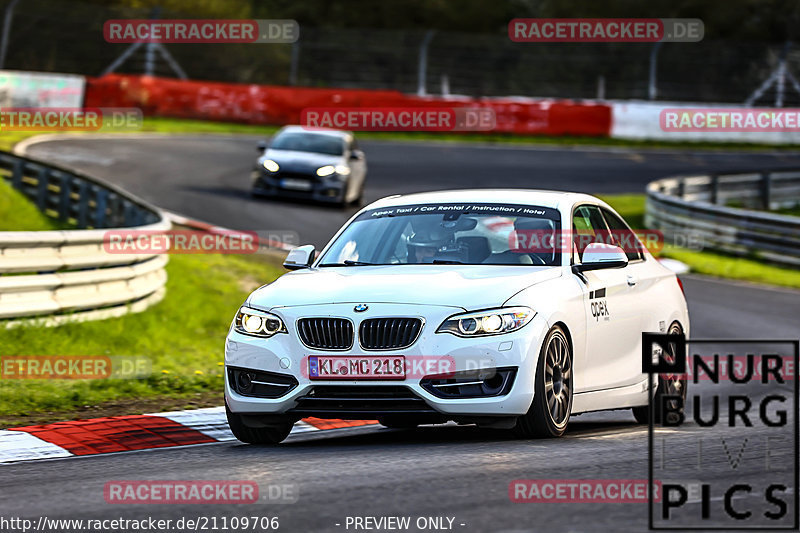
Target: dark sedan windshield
[
  {"x": 309, "y": 142},
  {"x": 494, "y": 234}
]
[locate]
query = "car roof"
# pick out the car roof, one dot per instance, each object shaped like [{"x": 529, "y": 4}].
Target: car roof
[
  {"x": 543, "y": 198},
  {"x": 316, "y": 131}
]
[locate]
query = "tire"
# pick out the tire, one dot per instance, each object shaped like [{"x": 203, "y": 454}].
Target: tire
[
  {"x": 549, "y": 413},
  {"x": 397, "y": 422},
  {"x": 266, "y": 435},
  {"x": 666, "y": 385}
]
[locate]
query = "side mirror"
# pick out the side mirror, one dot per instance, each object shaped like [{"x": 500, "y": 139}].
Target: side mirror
[
  {"x": 357, "y": 155},
  {"x": 300, "y": 257},
  {"x": 261, "y": 146},
  {"x": 597, "y": 256}
]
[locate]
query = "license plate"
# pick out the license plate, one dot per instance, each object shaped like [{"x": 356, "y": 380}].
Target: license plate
[
  {"x": 361, "y": 367},
  {"x": 298, "y": 185}
]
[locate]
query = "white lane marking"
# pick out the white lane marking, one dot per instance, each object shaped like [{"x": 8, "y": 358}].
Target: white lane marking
[
  {"x": 22, "y": 446},
  {"x": 211, "y": 421}
]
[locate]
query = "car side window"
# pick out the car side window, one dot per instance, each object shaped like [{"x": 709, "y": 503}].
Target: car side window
[
  {"x": 623, "y": 235},
  {"x": 588, "y": 226}
]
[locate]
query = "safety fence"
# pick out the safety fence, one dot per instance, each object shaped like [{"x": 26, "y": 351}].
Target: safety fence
[
  {"x": 722, "y": 212},
  {"x": 68, "y": 274}
]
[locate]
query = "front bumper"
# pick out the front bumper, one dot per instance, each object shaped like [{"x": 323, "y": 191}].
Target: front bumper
[
  {"x": 331, "y": 190},
  {"x": 284, "y": 354}
]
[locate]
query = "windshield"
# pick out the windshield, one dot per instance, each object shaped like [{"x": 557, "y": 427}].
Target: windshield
[
  {"x": 446, "y": 234},
  {"x": 309, "y": 142}
]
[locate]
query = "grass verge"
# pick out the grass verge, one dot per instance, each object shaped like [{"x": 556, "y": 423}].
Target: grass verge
[
  {"x": 631, "y": 207},
  {"x": 18, "y": 214},
  {"x": 182, "y": 337}
]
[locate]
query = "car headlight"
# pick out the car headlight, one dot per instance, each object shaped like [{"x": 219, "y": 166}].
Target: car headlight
[
  {"x": 489, "y": 322},
  {"x": 327, "y": 170},
  {"x": 270, "y": 165},
  {"x": 258, "y": 323}
]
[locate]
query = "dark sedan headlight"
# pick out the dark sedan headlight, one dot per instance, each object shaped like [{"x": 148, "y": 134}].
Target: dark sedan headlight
[
  {"x": 489, "y": 322},
  {"x": 270, "y": 165},
  {"x": 258, "y": 323},
  {"x": 327, "y": 170}
]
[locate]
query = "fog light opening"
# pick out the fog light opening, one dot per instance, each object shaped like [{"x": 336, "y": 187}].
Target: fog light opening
[
  {"x": 245, "y": 382},
  {"x": 259, "y": 383},
  {"x": 471, "y": 384},
  {"x": 493, "y": 385}
]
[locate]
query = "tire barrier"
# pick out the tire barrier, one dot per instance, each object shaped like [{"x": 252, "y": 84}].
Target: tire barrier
[{"x": 65, "y": 275}]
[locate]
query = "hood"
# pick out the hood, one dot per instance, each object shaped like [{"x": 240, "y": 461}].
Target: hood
[
  {"x": 468, "y": 286},
  {"x": 300, "y": 161}
]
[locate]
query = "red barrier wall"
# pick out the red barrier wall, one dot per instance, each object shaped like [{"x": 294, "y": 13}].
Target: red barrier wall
[{"x": 269, "y": 104}]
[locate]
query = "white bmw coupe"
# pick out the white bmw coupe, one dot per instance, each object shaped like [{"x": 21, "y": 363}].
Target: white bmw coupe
[{"x": 502, "y": 308}]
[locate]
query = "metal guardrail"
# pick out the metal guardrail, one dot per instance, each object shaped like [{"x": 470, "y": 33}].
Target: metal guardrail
[
  {"x": 718, "y": 210},
  {"x": 68, "y": 275}
]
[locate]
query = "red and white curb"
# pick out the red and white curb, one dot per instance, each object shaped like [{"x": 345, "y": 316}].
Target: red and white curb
[{"x": 135, "y": 432}]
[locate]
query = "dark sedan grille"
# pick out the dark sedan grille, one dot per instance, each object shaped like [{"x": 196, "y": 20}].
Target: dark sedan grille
[
  {"x": 389, "y": 333},
  {"x": 298, "y": 175},
  {"x": 326, "y": 333}
]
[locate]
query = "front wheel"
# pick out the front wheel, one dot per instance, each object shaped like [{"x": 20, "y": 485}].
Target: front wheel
[
  {"x": 668, "y": 385},
  {"x": 257, "y": 435},
  {"x": 552, "y": 397}
]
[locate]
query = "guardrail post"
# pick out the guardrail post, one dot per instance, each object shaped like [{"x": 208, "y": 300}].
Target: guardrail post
[
  {"x": 714, "y": 189},
  {"x": 101, "y": 201},
  {"x": 65, "y": 183},
  {"x": 83, "y": 203},
  {"x": 41, "y": 187},
  {"x": 115, "y": 217},
  {"x": 681, "y": 188},
  {"x": 128, "y": 210},
  {"x": 766, "y": 185},
  {"x": 16, "y": 174}
]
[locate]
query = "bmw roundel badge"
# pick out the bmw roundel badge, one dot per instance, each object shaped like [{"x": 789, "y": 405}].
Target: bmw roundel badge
[{"x": 360, "y": 308}]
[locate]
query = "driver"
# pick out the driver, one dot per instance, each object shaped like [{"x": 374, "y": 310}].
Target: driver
[
  {"x": 429, "y": 238},
  {"x": 423, "y": 246}
]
